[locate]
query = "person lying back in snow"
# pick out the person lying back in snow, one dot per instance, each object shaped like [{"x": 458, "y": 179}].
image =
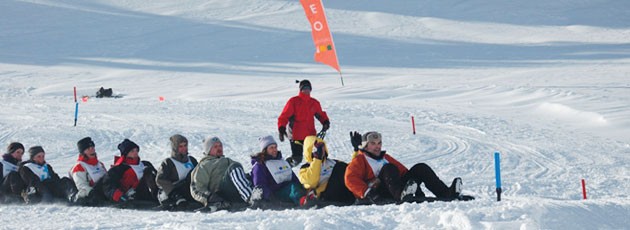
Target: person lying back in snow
[
  {"x": 323, "y": 177},
  {"x": 173, "y": 176},
  {"x": 130, "y": 178},
  {"x": 219, "y": 182},
  {"x": 274, "y": 175},
  {"x": 11, "y": 184},
  {"x": 42, "y": 183},
  {"x": 86, "y": 174},
  {"x": 374, "y": 175}
]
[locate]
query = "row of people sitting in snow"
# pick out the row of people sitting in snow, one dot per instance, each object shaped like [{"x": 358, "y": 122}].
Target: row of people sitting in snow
[{"x": 217, "y": 182}]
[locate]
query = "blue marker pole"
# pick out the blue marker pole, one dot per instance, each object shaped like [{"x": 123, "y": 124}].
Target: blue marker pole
[
  {"x": 76, "y": 112},
  {"x": 497, "y": 170},
  {"x": 76, "y": 106}
]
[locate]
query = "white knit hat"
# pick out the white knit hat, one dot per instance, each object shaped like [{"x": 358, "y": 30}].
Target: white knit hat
[
  {"x": 209, "y": 142},
  {"x": 264, "y": 142}
]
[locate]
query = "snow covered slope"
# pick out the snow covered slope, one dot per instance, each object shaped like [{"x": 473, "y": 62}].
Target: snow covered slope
[{"x": 546, "y": 83}]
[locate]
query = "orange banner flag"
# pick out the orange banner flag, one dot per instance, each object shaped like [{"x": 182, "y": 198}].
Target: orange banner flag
[{"x": 325, "y": 51}]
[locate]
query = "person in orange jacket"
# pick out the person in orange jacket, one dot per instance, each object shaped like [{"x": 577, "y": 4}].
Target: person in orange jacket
[
  {"x": 374, "y": 176},
  {"x": 300, "y": 113}
]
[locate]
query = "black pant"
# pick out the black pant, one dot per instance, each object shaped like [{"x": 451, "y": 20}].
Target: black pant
[
  {"x": 52, "y": 189},
  {"x": 336, "y": 190},
  {"x": 392, "y": 184},
  {"x": 12, "y": 186},
  {"x": 422, "y": 173},
  {"x": 297, "y": 149},
  {"x": 147, "y": 188}
]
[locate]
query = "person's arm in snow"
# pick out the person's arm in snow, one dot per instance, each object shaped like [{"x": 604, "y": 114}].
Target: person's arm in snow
[
  {"x": 163, "y": 177},
  {"x": 259, "y": 179},
  {"x": 199, "y": 186},
  {"x": 80, "y": 178}
]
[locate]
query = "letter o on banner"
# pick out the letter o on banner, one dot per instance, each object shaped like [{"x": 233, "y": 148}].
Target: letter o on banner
[{"x": 318, "y": 26}]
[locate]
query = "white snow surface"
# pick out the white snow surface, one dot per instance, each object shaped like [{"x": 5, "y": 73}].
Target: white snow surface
[{"x": 546, "y": 83}]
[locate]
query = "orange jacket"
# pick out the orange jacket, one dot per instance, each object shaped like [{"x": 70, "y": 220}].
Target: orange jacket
[{"x": 359, "y": 173}]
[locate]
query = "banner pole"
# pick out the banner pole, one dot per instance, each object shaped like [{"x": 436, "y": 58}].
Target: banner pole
[{"x": 341, "y": 76}]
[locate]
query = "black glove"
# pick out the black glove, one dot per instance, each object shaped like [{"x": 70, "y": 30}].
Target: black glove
[
  {"x": 319, "y": 150},
  {"x": 355, "y": 139},
  {"x": 283, "y": 132},
  {"x": 325, "y": 126}
]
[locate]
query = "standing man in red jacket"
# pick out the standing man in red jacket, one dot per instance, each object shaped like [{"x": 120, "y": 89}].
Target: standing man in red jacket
[{"x": 299, "y": 113}]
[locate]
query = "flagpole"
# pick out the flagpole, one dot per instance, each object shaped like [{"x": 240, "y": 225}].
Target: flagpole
[{"x": 341, "y": 76}]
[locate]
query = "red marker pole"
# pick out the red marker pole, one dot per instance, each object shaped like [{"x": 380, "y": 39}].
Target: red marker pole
[
  {"x": 75, "y": 94},
  {"x": 584, "y": 189},
  {"x": 413, "y": 125}
]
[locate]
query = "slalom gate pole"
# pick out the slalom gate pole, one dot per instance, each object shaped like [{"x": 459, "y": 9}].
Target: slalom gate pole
[
  {"x": 341, "y": 76},
  {"x": 76, "y": 106},
  {"x": 583, "y": 189},
  {"x": 497, "y": 170},
  {"x": 413, "y": 125},
  {"x": 76, "y": 112}
]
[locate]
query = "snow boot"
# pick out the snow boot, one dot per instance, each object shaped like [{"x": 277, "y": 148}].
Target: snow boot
[
  {"x": 408, "y": 193},
  {"x": 308, "y": 200},
  {"x": 456, "y": 187}
]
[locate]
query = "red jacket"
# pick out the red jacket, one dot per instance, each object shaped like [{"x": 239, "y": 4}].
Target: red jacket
[
  {"x": 121, "y": 177},
  {"x": 359, "y": 173},
  {"x": 299, "y": 113}
]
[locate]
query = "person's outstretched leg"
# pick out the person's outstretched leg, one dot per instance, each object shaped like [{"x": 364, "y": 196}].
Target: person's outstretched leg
[{"x": 422, "y": 173}]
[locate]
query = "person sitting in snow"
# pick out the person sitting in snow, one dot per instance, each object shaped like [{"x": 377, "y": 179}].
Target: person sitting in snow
[
  {"x": 173, "y": 176},
  {"x": 87, "y": 173},
  {"x": 323, "y": 177},
  {"x": 11, "y": 184},
  {"x": 373, "y": 175},
  {"x": 41, "y": 182},
  {"x": 219, "y": 182},
  {"x": 130, "y": 179},
  {"x": 274, "y": 175}
]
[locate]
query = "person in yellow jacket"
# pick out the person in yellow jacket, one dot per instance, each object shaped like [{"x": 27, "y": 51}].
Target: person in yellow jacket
[{"x": 323, "y": 177}]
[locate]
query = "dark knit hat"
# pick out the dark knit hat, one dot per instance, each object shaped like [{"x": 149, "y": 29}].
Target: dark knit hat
[
  {"x": 34, "y": 151},
  {"x": 126, "y": 146},
  {"x": 305, "y": 83},
  {"x": 14, "y": 146},
  {"x": 84, "y": 144}
]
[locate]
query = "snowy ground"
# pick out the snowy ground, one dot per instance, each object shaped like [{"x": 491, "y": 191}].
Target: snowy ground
[{"x": 546, "y": 83}]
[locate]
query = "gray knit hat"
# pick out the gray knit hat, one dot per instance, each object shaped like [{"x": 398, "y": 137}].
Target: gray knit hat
[
  {"x": 264, "y": 142},
  {"x": 208, "y": 143}
]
